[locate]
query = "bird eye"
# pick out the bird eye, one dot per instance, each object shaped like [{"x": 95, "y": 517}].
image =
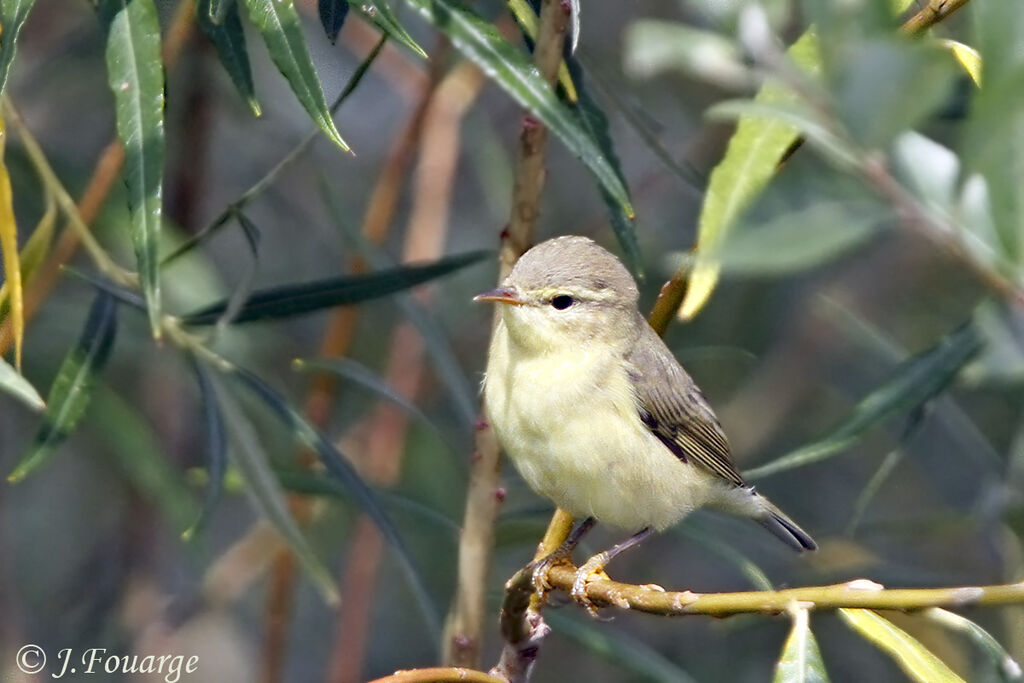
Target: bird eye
[{"x": 562, "y": 302}]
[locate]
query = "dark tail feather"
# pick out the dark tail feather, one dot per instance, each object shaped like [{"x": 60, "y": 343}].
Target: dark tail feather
[{"x": 776, "y": 521}]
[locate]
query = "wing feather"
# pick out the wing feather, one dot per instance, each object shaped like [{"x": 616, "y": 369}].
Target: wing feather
[{"x": 675, "y": 410}]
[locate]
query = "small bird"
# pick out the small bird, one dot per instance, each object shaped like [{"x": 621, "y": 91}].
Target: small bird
[{"x": 596, "y": 413}]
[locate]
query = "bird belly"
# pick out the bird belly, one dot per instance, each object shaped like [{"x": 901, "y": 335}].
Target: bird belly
[{"x": 570, "y": 424}]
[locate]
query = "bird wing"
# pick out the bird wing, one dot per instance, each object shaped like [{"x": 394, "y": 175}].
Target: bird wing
[{"x": 675, "y": 410}]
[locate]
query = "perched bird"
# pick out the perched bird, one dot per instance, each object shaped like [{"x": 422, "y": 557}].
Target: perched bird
[{"x": 596, "y": 413}]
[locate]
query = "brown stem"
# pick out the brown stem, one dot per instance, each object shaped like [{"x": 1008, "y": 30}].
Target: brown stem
[
  {"x": 439, "y": 675},
  {"x": 931, "y": 14},
  {"x": 464, "y": 627}
]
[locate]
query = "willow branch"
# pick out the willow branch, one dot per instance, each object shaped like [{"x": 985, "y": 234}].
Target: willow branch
[
  {"x": 858, "y": 594},
  {"x": 931, "y": 14},
  {"x": 441, "y": 674},
  {"x": 465, "y": 622}
]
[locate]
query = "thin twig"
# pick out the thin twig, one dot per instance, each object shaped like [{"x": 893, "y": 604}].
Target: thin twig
[{"x": 931, "y": 14}]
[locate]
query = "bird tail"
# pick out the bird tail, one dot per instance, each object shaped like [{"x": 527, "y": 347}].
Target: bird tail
[{"x": 776, "y": 521}]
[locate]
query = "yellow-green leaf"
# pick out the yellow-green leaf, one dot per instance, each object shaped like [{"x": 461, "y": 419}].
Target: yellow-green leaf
[
  {"x": 528, "y": 21},
  {"x": 754, "y": 152},
  {"x": 914, "y": 658},
  {"x": 968, "y": 57},
  {"x": 801, "y": 659},
  {"x": 36, "y": 248},
  {"x": 9, "y": 247}
]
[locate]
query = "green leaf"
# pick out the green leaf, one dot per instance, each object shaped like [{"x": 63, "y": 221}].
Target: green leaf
[
  {"x": 278, "y": 23},
  {"x": 913, "y": 657},
  {"x": 135, "y": 73},
  {"x": 11, "y": 382},
  {"x": 358, "y": 373},
  {"x": 795, "y": 241},
  {"x": 617, "y": 647},
  {"x": 228, "y": 37},
  {"x": 289, "y": 300},
  {"x": 339, "y": 467},
  {"x": 1007, "y": 666},
  {"x": 72, "y": 389},
  {"x": 801, "y": 659},
  {"x": 913, "y": 383},
  {"x": 140, "y": 456},
  {"x": 754, "y": 152},
  {"x": 481, "y": 43},
  {"x": 383, "y": 17},
  {"x": 216, "y": 448},
  {"x": 265, "y": 491},
  {"x": 332, "y": 17},
  {"x": 13, "y": 14},
  {"x": 594, "y": 121}
]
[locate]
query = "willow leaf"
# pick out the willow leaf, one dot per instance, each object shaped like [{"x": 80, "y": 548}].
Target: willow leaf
[
  {"x": 339, "y": 467},
  {"x": 265, "y": 491},
  {"x": 750, "y": 160},
  {"x": 13, "y": 14},
  {"x": 12, "y": 383},
  {"x": 289, "y": 300},
  {"x": 480, "y": 42},
  {"x": 9, "y": 250},
  {"x": 801, "y": 659},
  {"x": 279, "y": 25},
  {"x": 913, "y": 657},
  {"x": 216, "y": 447},
  {"x": 332, "y": 17},
  {"x": 914, "y": 382},
  {"x": 383, "y": 17},
  {"x": 228, "y": 38},
  {"x": 71, "y": 391},
  {"x": 135, "y": 74}
]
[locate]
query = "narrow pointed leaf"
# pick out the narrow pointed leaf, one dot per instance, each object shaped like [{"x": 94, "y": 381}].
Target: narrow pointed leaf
[
  {"x": 12, "y": 16},
  {"x": 383, "y": 17},
  {"x": 967, "y": 57},
  {"x": 244, "y": 287},
  {"x": 592, "y": 118},
  {"x": 135, "y": 73},
  {"x": 35, "y": 250},
  {"x": 216, "y": 447},
  {"x": 72, "y": 389},
  {"x": 11, "y": 257},
  {"x": 332, "y": 16},
  {"x": 140, "y": 456},
  {"x": 265, "y": 491},
  {"x": 913, "y": 383},
  {"x": 122, "y": 294},
  {"x": 801, "y": 659},
  {"x": 228, "y": 38},
  {"x": 480, "y": 42},
  {"x": 341, "y": 469},
  {"x": 278, "y": 23},
  {"x": 528, "y": 22},
  {"x": 12, "y": 383},
  {"x": 913, "y": 657},
  {"x": 750, "y": 160},
  {"x": 289, "y": 300},
  {"x": 1009, "y": 669}
]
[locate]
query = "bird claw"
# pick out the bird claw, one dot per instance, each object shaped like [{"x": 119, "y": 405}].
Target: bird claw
[
  {"x": 542, "y": 570},
  {"x": 591, "y": 570}
]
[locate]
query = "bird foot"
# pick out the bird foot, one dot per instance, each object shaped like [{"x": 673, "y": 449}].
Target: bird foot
[
  {"x": 542, "y": 570},
  {"x": 591, "y": 570}
]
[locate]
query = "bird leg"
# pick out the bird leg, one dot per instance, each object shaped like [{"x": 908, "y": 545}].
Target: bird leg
[
  {"x": 593, "y": 569},
  {"x": 561, "y": 555}
]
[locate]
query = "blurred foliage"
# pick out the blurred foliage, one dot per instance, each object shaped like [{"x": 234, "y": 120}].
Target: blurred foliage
[{"x": 845, "y": 196}]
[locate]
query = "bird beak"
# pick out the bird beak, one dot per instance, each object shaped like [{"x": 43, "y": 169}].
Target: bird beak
[{"x": 502, "y": 295}]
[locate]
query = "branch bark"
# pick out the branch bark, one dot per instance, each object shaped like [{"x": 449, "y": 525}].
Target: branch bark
[{"x": 464, "y": 627}]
